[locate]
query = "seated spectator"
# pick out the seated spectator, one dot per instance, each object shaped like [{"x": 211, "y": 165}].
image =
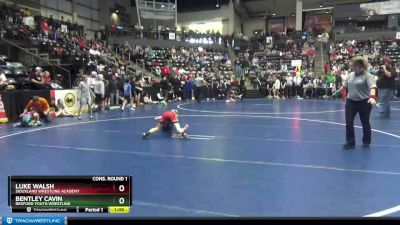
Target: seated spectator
[
  {"x": 47, "y": 77},
  {"x": 147, "y": 99},
  {"x": 60, "y": 109},
  {"x": 276, "y": 88},
  {"x": 221, "y": 87},
  {"x": 37, "y": 80},
  {"x": 232, "y": 97},
  {"x": 81, "y": 43},
  {"x": 3, "y": 61},
  {"x": 3, "y": 81}
]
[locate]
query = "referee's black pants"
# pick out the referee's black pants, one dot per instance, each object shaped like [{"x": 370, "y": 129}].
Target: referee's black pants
[
  {"x": 363, "y": 108},
  {"x": 198, "y": 93}
]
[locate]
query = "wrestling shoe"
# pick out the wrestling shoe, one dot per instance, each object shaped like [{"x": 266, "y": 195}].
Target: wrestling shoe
[
  {"x": 145, "y": 135},
  {"x": 365, "y": 146},
  {"x": 349, "y": 146},
  {"x": 185, "y": 136}
]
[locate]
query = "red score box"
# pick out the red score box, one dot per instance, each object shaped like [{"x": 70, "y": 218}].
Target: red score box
[{"x": 79, "y": 188}]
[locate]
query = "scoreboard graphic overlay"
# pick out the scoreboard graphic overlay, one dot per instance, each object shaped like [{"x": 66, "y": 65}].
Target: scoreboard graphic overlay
[{"x": 70, "y": 194}]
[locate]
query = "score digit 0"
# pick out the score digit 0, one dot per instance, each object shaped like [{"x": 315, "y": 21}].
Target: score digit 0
[
  {"x": 121, "y": 201},
  {"x": 121, "y": 188}
]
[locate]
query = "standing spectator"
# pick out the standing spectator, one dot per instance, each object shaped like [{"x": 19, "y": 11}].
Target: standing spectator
[
  {"x": 338, "y": 81},
  {"x": 132, "y": 81},
  {"x": 386, "y": 87},
  {"x": 188, "y": 87},
  {"x": 28, "y": 21},
  {"x": 113, "y": 89},
  {"x": 81, "y": 43},
  {"x": 325, "y": 39},
  {"x": 107, "y": 96},
  {"x": 99, "y": 92},
  {"x": 84, "y": 96},
  {"x": 71, "y": 27},
  {"x": 51, "y": 23},
  {"x": 238, "y": 67},
  {"x": 139, "y": 84},
  {"x": 297, "y": 81},
  {"x": 44, "y": 28},
  {"x": 326, "y": 68},
  {"x": 113, "y": 29},
  {"x": 106, "y": 32},
  {"x": 127, "y": 93}
]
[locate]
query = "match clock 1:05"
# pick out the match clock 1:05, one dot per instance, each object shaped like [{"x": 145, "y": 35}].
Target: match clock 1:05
[{"x": 118, "y": 209}]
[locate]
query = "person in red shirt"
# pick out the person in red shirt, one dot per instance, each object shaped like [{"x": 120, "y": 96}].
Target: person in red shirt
[
  {"x": 81, "y": 43},
  {"x": 327, "y": 68},
  {"x": 165, "y": 71},
  {"x": 39, "y": 106},
  {"x": 47, "y": 77},
  {"x": 113, "y": 29},
  {"x": 166, "y": 122},
  {"x": 350, "y": 50},
  {"x": 44, "y": 27}
]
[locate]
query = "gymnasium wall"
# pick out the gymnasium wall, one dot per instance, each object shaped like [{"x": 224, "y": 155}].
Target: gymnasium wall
[
  {"x": 250, "y": 25},
  {"x": 187, "y": 18},
  {"x": 87, "y": 12}
]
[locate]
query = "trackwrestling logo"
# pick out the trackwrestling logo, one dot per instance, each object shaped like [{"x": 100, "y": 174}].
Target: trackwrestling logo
[{"x": 34, "y": 220}]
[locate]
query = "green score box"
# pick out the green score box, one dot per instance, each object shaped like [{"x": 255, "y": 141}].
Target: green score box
[{"x": 70, "y": 200}]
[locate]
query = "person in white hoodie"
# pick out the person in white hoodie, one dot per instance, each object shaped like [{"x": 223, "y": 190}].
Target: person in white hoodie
[
  {"x": 92, "y": 79},
  {"x": 84, "y": 96},
  {"x": 99, "y": 92},
  {"x": 276, "y": 88}
]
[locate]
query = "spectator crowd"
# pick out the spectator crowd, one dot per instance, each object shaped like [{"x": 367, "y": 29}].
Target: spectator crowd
[{"x": 282, "y": 68}]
